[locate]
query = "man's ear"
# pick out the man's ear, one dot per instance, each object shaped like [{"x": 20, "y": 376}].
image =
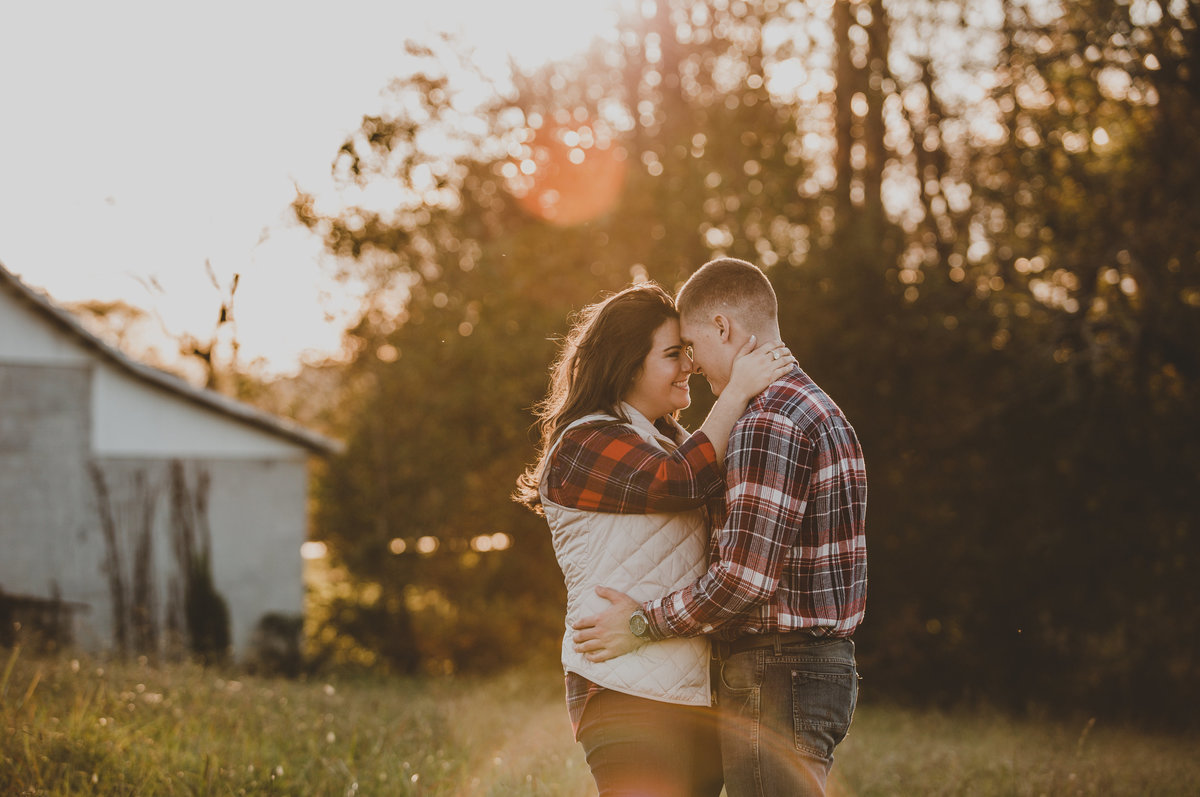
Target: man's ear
[{"x": 724, "y": 327}]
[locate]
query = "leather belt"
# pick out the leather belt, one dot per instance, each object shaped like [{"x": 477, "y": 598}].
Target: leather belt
[{"x": 806, "y": 636}]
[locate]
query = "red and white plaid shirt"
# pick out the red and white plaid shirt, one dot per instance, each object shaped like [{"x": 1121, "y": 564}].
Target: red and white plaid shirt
[
  {"x": 791, "y": 552},
  {"x": 608, "y": 467}
]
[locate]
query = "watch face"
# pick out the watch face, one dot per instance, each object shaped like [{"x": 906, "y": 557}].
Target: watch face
[{"x": 638, "y": 624}]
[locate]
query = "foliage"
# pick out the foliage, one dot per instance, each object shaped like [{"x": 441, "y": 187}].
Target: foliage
[
  {"x": 211, "y": 362},
  {"x": 999, "y": 283},
  {"x": 93, "y": 727},
  {"x": 1050, "y": 509},
  {"x": 80, "y": 726},
  {"x": 276, "y": 647},
  {"x": 206, "y": 613}
]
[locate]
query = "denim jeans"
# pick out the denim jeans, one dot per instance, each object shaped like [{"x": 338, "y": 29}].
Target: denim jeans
[
  {"x": 783, "y": 710},
  {"x": 645, "y": 748}
]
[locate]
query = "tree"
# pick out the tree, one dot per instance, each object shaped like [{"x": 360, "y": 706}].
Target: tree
[
  {"x": 1091, "y": 216},
  {"x": 985, "y": 246},
  {"x": 479, "y": 263}
]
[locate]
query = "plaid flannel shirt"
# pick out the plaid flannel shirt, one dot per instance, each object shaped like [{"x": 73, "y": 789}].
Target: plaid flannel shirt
[
  {"x": 791, "y": 552},
  {"x": 608, "y": 467}
]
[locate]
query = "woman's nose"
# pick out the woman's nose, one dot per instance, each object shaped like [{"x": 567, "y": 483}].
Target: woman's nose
[{"x": 686, "y": 364}]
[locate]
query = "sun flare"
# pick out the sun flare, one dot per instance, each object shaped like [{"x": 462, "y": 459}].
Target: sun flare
[{"x": 148, "y": 207}]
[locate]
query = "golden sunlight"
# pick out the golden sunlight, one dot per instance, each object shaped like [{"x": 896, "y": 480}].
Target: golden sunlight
[
  {"x": 567, "y": 172},
  {"x": 141, "y": 233}
]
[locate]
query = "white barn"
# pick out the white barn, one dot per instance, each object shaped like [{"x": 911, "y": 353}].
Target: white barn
[{"x": 124, "y": 491}]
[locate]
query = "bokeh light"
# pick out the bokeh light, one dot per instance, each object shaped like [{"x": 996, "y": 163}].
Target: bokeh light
[
  {"x": 567, "y": 175},
  {"x": 313, "y": 550}
]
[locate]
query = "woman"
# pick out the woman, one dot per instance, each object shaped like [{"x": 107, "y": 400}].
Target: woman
[{"x": 623, "y": 488}]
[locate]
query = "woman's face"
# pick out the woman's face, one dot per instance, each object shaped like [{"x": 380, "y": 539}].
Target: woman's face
[{"x": 661, "y": 385}]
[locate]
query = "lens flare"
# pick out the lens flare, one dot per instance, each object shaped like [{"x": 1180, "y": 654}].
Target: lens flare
[{"x": 568, "y": 175}]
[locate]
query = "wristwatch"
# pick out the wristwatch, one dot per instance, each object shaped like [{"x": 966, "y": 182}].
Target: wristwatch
[{"x": 639, "y": 624}]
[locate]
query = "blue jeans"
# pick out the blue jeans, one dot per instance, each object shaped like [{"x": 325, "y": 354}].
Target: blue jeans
[
  {"x": 645, "y": 748},
  {"x": 783, "y": 710}
]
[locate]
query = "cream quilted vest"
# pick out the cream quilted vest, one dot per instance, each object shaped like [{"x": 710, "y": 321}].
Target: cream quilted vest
[{"x": 645, "y": 556}]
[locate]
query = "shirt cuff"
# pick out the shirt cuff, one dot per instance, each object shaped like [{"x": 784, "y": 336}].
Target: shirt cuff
[{"x": 657, "y": 620}]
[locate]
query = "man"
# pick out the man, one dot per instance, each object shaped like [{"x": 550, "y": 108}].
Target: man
[{"x": 787, "y": 580}]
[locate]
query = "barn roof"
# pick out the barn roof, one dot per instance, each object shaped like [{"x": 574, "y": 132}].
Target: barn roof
[{"x": 209, "y": 399}]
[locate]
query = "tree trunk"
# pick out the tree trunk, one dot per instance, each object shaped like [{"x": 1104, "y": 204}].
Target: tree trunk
[{"x": 843, "y": 117}]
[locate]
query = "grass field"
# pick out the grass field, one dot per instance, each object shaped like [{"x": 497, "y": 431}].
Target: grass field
[{"x": 86, "y": 727}]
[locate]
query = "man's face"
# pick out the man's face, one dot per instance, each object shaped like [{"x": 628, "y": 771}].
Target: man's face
[{"x": 709, "y": 355}]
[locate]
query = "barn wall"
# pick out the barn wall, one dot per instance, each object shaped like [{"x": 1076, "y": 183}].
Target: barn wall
[
  {"x": 131, "y": 417},
  {"x": 92, "y": 461},
  {"x": 248, "y": 516},
  {"x": 44, "y": 490},
  {"x": 27, "y": 336},
  {"x": 136, "y": 419}
]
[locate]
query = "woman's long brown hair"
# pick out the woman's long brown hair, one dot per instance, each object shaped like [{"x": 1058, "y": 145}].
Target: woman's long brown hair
[{"x": 600, "y": 358}]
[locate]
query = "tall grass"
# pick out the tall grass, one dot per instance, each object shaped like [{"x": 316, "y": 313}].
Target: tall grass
[
  {"x": 893, "y": 751},
  {"x": 83, "y": 727},
  {"x": 73, "y": 726}
]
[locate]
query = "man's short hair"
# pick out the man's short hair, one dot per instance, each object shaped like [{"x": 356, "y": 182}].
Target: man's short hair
[{"x": 731, "y": 286}]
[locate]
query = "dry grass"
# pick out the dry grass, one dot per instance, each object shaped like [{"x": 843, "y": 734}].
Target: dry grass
[
  {"x": 899, "y": 752},
  {"x": 80, "y": 726},
  {"x": 74, "y": 726}
]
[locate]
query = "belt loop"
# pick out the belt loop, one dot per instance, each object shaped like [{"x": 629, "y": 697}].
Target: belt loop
[{"x": 778, "y": 644}]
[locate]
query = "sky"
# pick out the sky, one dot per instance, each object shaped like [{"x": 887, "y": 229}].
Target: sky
[{"x": 139, "y": 140}]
